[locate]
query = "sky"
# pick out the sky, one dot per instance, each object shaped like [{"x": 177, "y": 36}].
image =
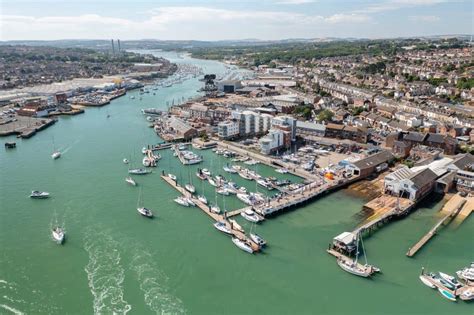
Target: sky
[{"x": 232, "y": 19}]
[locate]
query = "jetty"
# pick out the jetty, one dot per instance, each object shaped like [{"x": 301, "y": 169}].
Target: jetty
[
  {"x": 236, "y": 230},
  {"x": 450, "y": 210}
]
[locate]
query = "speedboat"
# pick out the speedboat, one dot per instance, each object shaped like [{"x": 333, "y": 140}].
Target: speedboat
[
  {"x": 173, "y": 177},
  {"x": 182, "y": 201},
  {"x": 190, "y": 188},
  {"x": 58, "y": 234},
  {"x": 260, "y": 241},
  {"x": 39, "y": 194},
  {"x": 56, "y": 155},
  {"x": 131, "y": 181},
  {"x": 215, "y": 209},
  {"x": 242, "y": 245},
  {"x": 221, "y": 226},
  {"x": 206, "y": 172},
  {"x": 444, "y": 283},
  {"x": 250, "y": 215},
  {"x": 125, "y": 161},
  {"x": 145, "y": 212},
  {"x": 223, "y": 191},
  {"x": 202, "y": 199},
  {"x": 281, "y": 170},
  {"x": 139, "y": 171},
  {"x": 448, "y": 295},
  {"x": 451, "y": 280}
]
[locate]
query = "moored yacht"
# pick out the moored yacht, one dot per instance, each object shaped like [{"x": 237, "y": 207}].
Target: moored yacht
[
  {"x": 222, "y": 191},
  {"x": 201, "y": 175},
  {"x": 230, "y": 169},
  {"x": 206, "y": 172},
  {"x": 215, "y": 209},
  {"x": 35, "y": 194},
  {"x": 451, "y": 280},
  {"x": 58, "y": 234},
  {"x": 221, "y": 226},
  {"x": 281, "y": 170},
  {"x": 242, "y": 245},
  {"x": 265, "y": 184},
  {"x": 352, "y": 267},
  {"x": 139, "y": 171},
  {"x": 212, "y": 182},
  {"x": 202, "y": 199},
  {"x": 251, "y": 216},
  {"x": 125, "y": 161},
  {"x": 190, "y": 188},
  {"x": 173, "y": 177},
  {"x": 466, "y": 274},
  {"x": 260, "y": 241},
  {"x": 190, "y": 201},
  {"x": 181, "y": 201}
]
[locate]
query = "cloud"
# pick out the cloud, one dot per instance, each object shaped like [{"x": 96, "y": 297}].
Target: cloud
[
  {"x": 174, "y": 22},
  {"x": 424, "y": 18},
  {"x": 392, "y": 5},
  {"x": 295, "y": 2}
]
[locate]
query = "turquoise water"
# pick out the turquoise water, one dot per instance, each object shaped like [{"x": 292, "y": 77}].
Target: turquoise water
[{"x": 116, "y": 261}]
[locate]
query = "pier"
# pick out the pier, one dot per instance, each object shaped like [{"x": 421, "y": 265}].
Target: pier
[
  {"x": 451, "y": 209},
  {"x": 215, "y": 216}
]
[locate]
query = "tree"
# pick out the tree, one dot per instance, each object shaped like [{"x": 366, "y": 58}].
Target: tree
[{"x": 325, "y": 115}]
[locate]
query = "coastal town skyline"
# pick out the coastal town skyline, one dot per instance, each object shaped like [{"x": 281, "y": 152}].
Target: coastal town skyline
[{"x": 232, "y": 20}]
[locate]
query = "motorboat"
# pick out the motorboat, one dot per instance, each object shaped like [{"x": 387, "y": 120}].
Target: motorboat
[
  {"x": 131, "y": 181},
  {"x": 206, "y": 172},
  {"x": 35, "y": 194},
  {"x": 223, "y": 191},
  {"x": 467, "y": 295},
  {"x": 230, "y": 169},
  {"x": 222, "y": 226},
  {"x": 451, "y": 280},
  {"x": 424, "y": 279},
  {"x": 265, "y": 184},
  {"x": 181, "y": 201},
  {"x": 257, "y": 239},
  {"x": 148, "y": 162},
  {"x": 242, "y": 245},
  {"x": 202, "y": 199},
  {"x": 251, "y": 216},
  {"x": 173, "y": 177},
  {"x": 139, "y": 171},
  {"x": 466, "y": 274},
  {"x": 56, "y": 155},
  {"x": 247, "y": 199},
  {"x": 245, "y": 175},
  {"x": 215, "y": 209},
  {"x": 58, "y": 234},
  {"x": 190, "y": 188},
  {"x": 145, "y": 212},
  {"x": 243, "y": 190},
  {"x": 448, "y": 295},
  {"x": 281, "y": 170},
  {"x": 125, "y": 161},
  {"x": 444, "y": 283}
]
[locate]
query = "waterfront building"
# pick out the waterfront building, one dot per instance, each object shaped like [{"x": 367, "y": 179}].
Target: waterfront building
[
  {"x": 272, "y": 141},
  {"x": 229, "y": 86},
  {"x": 368, "y": 165},
  {"x": 228, "y": 129},
  {"x": 305, "y": 128},
  {"x": 285, "y": 123}
]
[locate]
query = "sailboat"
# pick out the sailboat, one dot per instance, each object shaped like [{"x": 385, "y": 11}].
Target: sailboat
[
  {"x": 352, "y": 266},
  {"x": 189, "y": 186},
  {"x": 56, "y": 153},
  {"x": 142, "y": 210},
  {"x": 130, "y": 181},
  {"x": 201, "y": 197}
]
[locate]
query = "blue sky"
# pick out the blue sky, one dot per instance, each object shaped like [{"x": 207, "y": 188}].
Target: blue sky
[{"x": 219, "y": 19}]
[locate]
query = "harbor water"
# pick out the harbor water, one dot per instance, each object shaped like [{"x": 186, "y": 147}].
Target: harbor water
[{"x": 115, "y": 261}]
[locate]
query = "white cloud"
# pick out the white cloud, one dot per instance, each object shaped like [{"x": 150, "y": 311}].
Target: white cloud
[
  {"x": 174, "y": 22},
  {"x": 295, "y": 2},
  {"x": 392, "y": 5},
  {"x": 424, "y": 18}
]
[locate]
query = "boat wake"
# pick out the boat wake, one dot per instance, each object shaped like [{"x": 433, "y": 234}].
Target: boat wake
[
  {"x": 11, "y": 309},
  {"x": 64, "y": 151},
  {"x": 105, "y": 274},
  {"x": 153, "y": 284}
]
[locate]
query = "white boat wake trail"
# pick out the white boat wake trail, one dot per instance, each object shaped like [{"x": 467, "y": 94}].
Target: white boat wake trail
[
  {"x": 105, "y": 274},
  {"x": 153, "y": 283}
]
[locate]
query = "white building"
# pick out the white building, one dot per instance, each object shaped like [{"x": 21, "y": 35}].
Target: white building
[
  {"x": 285, "y": 122},
  {"x": 228, "y": 129},
  {"x": 272, "y": 141}
]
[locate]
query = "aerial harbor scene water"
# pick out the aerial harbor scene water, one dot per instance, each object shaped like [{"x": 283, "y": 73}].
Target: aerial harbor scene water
[{"x": 235, "y": 177}]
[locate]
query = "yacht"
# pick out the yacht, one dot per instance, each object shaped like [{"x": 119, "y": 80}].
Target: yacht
[
  {"x": 56, "y": 155},
  {"x": 125, "y": 161},
  {"x": 58, "y": 234},
  {"x": 223, "y": 191},
  {"x": 202, "y": 199},
  {"x": 243, "y": 190},
  {"x": 182, "y": 201},
  {"x": 190, "y": 188},
  {"x": 201, "y": 175},
  {"x": 173, "y": 177},
  {"x": 145, "y": 212},
  {"x": 190, "y": 201},
  {"x": 39, "y": 194},
  {"x": 247, "y": 199},
  {"x": 230, "y": 169},
  {"x": 466, "y": 274},
  {"x": 144, "y": 150},
  {"x": 352, "y": 267},
  {"x": 281, "y": 170},
  {"x": 250, "y": 215},
  {"x": 221, "y": 226},
  {"x": 451, "y": 280},
  {"x": 215, "y": 209},
  {"x": 206, "y": 172},
  {"x": 242, "y": 245},
  {"x": 131, "y": 181},
  {"x": 211, "y": 181},
  {"x": 265, "y": 184},
  {"x": 245, "y": 174},
  {"x": 260, "y": 241},
  {"x": 139, "y": 171}
]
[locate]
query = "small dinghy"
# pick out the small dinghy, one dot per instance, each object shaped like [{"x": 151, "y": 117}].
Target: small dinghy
[
  {"x": 35, "y": 194},
  {"x": 125, "y": 161},
  {"x": 58, "y": 234},
  {"x": 242, "y": 245},
  {"x": 173, "y": 177},
  {"x": 448, "y": 295},
  {"x": 131, "y": 181}
]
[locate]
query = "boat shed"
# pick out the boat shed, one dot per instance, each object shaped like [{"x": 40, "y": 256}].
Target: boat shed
[
  {"x": 345, "y": 241},
  {"x": 367, "y": 166}
]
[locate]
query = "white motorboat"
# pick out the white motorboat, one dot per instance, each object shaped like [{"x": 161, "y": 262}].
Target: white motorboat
[
  {"x": 139, "y": 171},
  {"x": 257, "y": 239},
  {"x": 245, "y": 175},
  {"x": 202, "y": 199},
  {"x": 265, "y": 184},
  {"x": 56, "y": 155},
  {"x": 190, "y": 188},
  {"x": 466, "y": 274},
  {"x": 281, "y": 170},
  {"x": 131, "y": 181},
  {"x": 145, "y": 212},
  {"x": 35, "y": 194},
  {"x": 125, "y": 161},
  {"x": 58, "y": 234},
  {"x": 206, "y": 172},
  {"x": 424, "y": 279},
  {"x": 173, "y": 177},
  {"x": 148, "y": 162},
  {"x": 215, "y": 209},
  {"x": 451, "y": 280},
  {"x": 247, "y": 199},
  {"x": 230, "y": 169},
  {"x": 243, "y": 190},
  {"x": 223, "y": 191},
  {"x": 221, "y": 226},
  {"x": 242, "y": 245},
  {"x": 250, "y": 215},
  {"x": 181, "y": 201}
]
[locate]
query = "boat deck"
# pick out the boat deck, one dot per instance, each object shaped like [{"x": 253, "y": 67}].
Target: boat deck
[{"x": 216, "y": 217}]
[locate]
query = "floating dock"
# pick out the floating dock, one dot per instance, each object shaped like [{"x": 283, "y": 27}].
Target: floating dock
[{"x": 216, "y": 217}]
